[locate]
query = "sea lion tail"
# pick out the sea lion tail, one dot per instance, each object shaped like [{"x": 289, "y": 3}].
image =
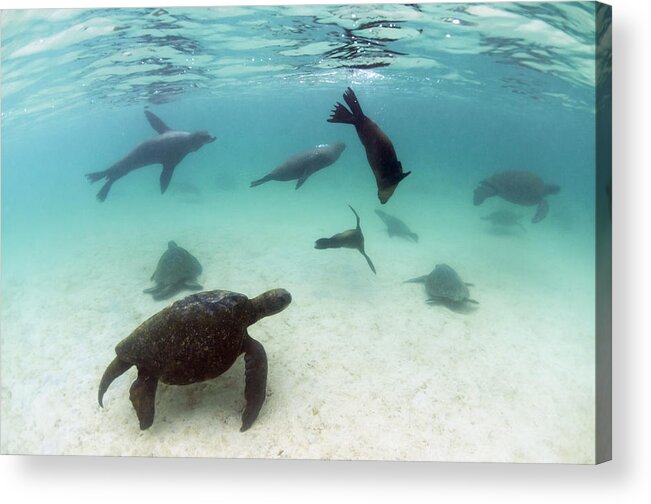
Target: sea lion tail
[
  {"x": 114, "y": 369},
  {"x": 260, "y": 181},
  {"x": 356, "y": 216}
]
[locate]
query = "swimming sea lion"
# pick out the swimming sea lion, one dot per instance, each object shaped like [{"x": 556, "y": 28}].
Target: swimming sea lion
[
  {"x": 302, "y": 165},
  {"x": 168, "y": 148},
  {"x": 352, "y": 238},
  {"x": 379, "y": 150},
  {"x": 395, "y": 227}
]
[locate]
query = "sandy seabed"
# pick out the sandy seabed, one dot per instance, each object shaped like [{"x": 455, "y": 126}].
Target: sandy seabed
[{"x": 360, "y": 367}]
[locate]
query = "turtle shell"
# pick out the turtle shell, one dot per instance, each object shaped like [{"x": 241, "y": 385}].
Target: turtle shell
[
  {"x": 445, "y": 284},
  {"x": 520, "y": 187},
  {"x": 175, "y": 266},
  {"x": 194, "y": 339}
]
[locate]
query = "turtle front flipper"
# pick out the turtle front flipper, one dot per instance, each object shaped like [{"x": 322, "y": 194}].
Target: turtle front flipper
[
  {"x": 143, "y": 396},
  {"x": 190, "y": 285},
  {"x": 255, "y": 390},
  {"x": 165, "y": 291},
  {"x": 541, "y": 213},
  {"x": 483, "y": 191},
  {"x": 153, "y": 290}
]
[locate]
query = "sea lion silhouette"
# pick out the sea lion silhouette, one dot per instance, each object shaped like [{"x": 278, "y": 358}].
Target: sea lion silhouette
[
  {"x": 300, "y": 166},
  {"x": 379, "y": 150},
  {"x": 168, "y": 148},
  {"x": 352, "y": 238}
]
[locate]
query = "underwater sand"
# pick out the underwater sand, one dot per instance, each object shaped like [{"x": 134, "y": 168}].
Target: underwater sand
[{"x": 360, "y": 367}]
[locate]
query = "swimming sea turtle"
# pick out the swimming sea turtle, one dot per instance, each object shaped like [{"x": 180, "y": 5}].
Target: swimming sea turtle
[
  {"x": 504, "y": 218},
  {"x": 195, "y": 339},
  {"x": 443, "y": 285},
  {"x": 519, "y": 187},
  {"x": 177, "y": 269}
]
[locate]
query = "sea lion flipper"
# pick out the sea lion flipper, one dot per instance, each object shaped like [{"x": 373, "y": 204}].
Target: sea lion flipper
[
  {"x": 351, "y": 101},
  {"x": 166, "y": 176},
  {"x": 302, "y": 179},
  {"x": 368, "y": 260},
  {"x": 357, "y": 216},
  {"x": 260, "y": 181},
  {"x": 340, "y": 114},
  {"x": 156, "y": 122}
]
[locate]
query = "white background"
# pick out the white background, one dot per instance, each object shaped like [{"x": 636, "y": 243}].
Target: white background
[{"x": 627, "y": 479}]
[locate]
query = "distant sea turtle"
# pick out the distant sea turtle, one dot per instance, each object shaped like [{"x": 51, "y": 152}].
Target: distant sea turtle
[
  {"x": 504, "y": 218},
  {"x": 519, "y": 187},
  {"x": 196, "y": 339},
  {"x": 177, "y": 269},
  {"x": 443, "y": 285},
  {"x": 395, "y": 227}
]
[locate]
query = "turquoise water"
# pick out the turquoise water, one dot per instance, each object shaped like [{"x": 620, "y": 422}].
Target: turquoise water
[{"x": 462, "y": 90}]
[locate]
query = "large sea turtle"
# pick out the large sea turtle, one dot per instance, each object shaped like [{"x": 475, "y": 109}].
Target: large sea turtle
[
  {"x": 444, "y": 285},
  {"x": 195, "y": 339},
  {"x": 177, "y": 269},
  {"x": 519, "y": 187}
]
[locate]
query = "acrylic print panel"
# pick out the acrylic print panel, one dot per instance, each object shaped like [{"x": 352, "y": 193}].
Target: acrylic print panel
[{"x": 348, "y": 231}]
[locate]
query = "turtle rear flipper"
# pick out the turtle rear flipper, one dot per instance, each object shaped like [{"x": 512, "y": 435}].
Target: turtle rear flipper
[
  {"x": 143, "y": 396},
  {"x": 541, "y": 213},
  {"x": 114, "y": 369},
  {"x": 255, "y": 391}
]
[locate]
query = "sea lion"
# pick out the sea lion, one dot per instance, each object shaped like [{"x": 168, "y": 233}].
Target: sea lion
[
  {"x": 379, "y": 150},
  {"x": 168, "y": 148},
  {"x": 352, "y": 238},
  {"x": 300, "y": 166},
  {"x": 517, "y": 186},
  {"x": 395, "y": 227}
]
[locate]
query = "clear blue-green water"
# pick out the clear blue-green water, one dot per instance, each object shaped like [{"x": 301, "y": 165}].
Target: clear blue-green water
[{"x": 462, "y": 90}]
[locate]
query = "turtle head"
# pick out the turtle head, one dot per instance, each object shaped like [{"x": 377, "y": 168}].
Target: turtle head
[
  {"x": 552, "y": 189},
  {"x": 270, "y": 302}
]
